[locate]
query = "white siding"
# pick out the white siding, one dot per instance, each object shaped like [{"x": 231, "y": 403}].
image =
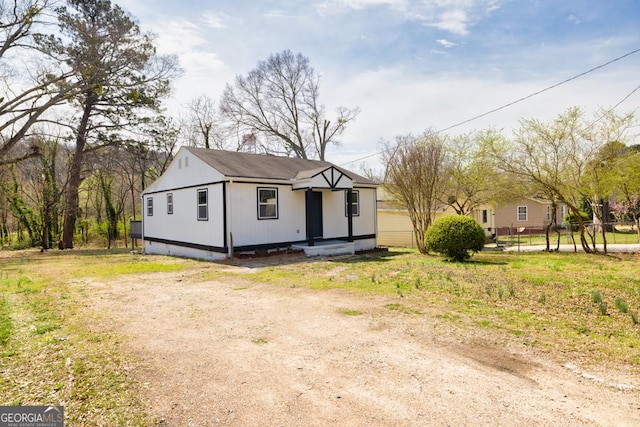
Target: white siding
[
  {"x": 290, "y": 226},
  {"x": 366, "y": 222},
  {"x": 182, "y": 225},
  {"x": 334, "y": 213},
  {"x": 185, "y": 170},
  {"x": 247, "y": 229}
]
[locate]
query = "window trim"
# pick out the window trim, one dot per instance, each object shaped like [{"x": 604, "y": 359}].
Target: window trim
[
  {"x": 355, "y": 210},
  {"x": 149, "y": 206},
  {"x": 205, "y": 205},
  {"x": 169, "y": 203},
  {"x": 526, "y": 213},
  {"x": 259, "y": 204}
]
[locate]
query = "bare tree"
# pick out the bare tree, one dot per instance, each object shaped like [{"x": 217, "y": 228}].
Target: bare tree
[
  {"x": 28, "y": 86},
  {"x": 415, "y": 176},
  {"x": 278, "y": 102},
  {"x": 203, "y": 125}
]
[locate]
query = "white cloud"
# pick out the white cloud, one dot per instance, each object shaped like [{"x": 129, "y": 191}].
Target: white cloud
[
  {"x": 453, "y": 16},
  {"x": 179, "y": 36},
  {"x": 454, "y": 21},
  {"x": 361, "y": 4},
  {"x": 202, "y": 62},
  {"x": 215, "y": 20},
  {"x": 333, "y": 7},
  {"x": 446, "y": 43}
]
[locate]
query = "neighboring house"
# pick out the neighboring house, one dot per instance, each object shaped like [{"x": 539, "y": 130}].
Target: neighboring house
[
  {"x": 485, "y": 216},
  {"x": 527, "y": 216},
  {"x": 211, "y": 203},
  {"x": 395, "y": 227}
]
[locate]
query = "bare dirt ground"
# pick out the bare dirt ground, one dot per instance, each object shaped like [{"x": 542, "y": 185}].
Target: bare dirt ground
[{"x": 239, "y": 353}]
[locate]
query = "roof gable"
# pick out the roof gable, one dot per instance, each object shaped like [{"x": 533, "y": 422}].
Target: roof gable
[{"x": 327, "y": 177}]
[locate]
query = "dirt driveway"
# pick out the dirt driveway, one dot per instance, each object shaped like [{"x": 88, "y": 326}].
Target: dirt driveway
[{"x": 239, "y": 353}]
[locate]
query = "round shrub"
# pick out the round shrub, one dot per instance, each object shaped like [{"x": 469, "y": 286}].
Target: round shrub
[{"x": 455, "y": 236}]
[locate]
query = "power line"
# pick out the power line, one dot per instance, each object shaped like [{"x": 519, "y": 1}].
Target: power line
[
  {"x": 520, "y": 100},
  {"x": 614, "y": 107}
]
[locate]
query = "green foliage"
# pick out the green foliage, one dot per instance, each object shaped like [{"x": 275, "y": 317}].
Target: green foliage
[
  {"x": 596, "y": 297},
  {"x": 6, "y": 325},
  {"x": 350, "y": 312},
  {"x": 571, "y": 220},
  {"x": 402, "y": 308},
  {"x": 603, "y": 308},
  {"x": 455, "y": 236},
  {"x": 621, "y": 305}
]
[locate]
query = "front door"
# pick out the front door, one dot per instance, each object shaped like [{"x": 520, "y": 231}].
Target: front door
[{"x": 314, "y": 214}]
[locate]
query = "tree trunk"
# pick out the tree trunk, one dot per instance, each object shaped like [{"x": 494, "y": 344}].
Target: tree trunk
[
  {"x": 581, "y": 228},
  {"x": 75, "y": 175},
  {"x": 547, "y": 230},
  {"x": 71, "y": 199},
  {"x": 46, "y": 224}
]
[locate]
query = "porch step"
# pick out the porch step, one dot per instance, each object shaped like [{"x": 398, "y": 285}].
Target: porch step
[{"x": 329, "y": 248}]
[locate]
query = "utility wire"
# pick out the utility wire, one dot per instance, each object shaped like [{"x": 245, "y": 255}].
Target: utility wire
[
  {"x": 613, "y": 108},
  {"x": 520, "y": 100}
]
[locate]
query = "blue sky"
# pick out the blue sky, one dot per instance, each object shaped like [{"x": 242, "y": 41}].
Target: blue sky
[{"x": 411, "y": 65}]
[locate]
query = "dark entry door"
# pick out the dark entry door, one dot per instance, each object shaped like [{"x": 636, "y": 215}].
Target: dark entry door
[{"x": 314, "y": 215}]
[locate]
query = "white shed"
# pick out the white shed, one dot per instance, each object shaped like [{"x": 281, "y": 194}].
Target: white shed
[{"x": 212, "y": 203}]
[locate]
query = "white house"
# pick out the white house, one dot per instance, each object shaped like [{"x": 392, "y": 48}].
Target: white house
[{"x": 212, "y": 203}]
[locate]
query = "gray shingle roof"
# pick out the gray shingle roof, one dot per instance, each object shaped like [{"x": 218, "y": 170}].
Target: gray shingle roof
[{"x": 247, "y": 165}]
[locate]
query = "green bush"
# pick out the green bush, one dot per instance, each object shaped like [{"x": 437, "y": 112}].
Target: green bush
[
  {"x": 571, "y": 220},
  {"x": 455, "y": 237}
]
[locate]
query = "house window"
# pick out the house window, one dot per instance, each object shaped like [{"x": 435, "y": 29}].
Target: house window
[
  {"x": 149, "y": 206},
  {"x": 203, "y": 205},
  {"x": 267, "y": 203},
  {"x": 485, "y": 216},
  {"x": 169, "y": 203},
  {"x": 522, "y": 213},
  {"x": 563, "y": 212},
  {"x": 548, "y": 213},
  {"x": 355, "y": 203}
]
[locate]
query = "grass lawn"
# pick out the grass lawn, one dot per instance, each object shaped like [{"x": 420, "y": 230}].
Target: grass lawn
[{"x": 55, "y": 350}]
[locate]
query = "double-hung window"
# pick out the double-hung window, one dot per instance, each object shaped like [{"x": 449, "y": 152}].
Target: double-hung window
[
  {"x": 203, "y": 205},
  {"x": 522, "y": 213},
  {"x": 149, "y": 206},
  {"x": 267, "y": 203},
  {"x": 355, "y": 203},
  {"x": 169, "y": 203}
]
